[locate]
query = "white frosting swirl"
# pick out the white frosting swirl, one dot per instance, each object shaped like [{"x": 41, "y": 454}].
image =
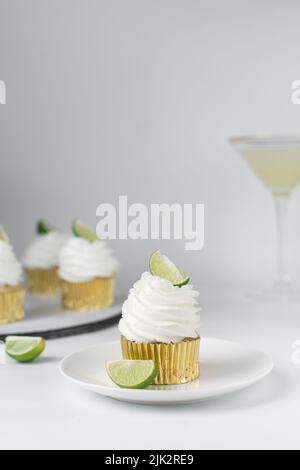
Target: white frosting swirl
[
  {"x": 10, "y": 268},
  {"x": 82, "y": 261},
  {"x": 156, "y": 311},
  {"x": 44, "y": 251}
]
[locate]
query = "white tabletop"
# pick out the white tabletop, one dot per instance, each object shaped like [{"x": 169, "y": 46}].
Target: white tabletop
[{"x": 40, "y": 410}]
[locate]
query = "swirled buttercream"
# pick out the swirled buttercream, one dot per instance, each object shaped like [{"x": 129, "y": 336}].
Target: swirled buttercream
[
  {"x": 81, "y": 260},
  {"x": 10, "y": 268},
  {"x": 44, "y": 251},
  {"x": 157, "y": 311}
]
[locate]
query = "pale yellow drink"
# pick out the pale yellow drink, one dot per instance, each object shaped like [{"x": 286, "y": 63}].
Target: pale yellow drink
[
  {"x": 278, "y": 168},
  {"x": 275, "y": 159}
]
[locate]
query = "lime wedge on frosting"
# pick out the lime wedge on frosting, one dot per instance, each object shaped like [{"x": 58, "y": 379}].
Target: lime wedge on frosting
[
  {"x": 82, "y": 231},
  {"x": 3, "y": 235},
  {"x": 24, "y": 349},
  {"x": 132, "y": 374},
  {"x": 43, "y": 227},
  {"x": 161, "y": 266}
]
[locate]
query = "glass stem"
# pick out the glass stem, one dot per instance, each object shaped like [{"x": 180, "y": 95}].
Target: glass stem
[{"x": 281, "y": 203}]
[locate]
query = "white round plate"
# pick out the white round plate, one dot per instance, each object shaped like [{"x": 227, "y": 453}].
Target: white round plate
[
  {"x": 225, "y": 368},
  {"x": 44, "y": 314}
]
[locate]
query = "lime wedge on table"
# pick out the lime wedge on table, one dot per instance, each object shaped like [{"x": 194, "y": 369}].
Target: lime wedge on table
[
  {"x": 24, "y": 349},
  {"x": 43, "y": 227},
  {"x": 82, "y": 231},
  {"x": 3, "y": 235},
  {"x": 161, "y": 266},
  {"x": 132, "y": 374}
]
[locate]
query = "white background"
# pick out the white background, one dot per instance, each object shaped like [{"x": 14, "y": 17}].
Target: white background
[
  {"x": 135, "y": 97},
  {"x": 138, "y": 98}
]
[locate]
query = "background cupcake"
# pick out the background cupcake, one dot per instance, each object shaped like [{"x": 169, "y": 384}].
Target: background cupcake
[
  {"x": 41, "y": 261},
  {"x": 87, "y": 269},
  {"x": 11, "y": 293},
  {"x": 160, "y": 322}
]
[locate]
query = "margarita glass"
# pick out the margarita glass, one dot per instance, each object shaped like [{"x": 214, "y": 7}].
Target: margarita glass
[{"x": 276, "y": 162}]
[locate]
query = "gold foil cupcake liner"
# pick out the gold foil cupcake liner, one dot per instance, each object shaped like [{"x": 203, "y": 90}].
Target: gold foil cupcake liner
[
  {"x": 11, "y": 304},
  {"x": 91, "y": 295},
  {"x": 178, "y": 363},
  {"x": 43, "y": 281}
]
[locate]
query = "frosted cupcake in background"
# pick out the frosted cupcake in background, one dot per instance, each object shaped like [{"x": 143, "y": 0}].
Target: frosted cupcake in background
[
  {"x": 11, "y": 293},
  {"x": 160, "y": 322},
  {"x": 87, "y": 270},
  {"x": 41, "y": 261}
]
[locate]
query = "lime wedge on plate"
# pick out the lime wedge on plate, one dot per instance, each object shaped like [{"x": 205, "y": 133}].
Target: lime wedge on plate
[
  {"x": 24, "y": 349},
  {"x": 43, "y": 227},
  {"x": 161, "y": 266},
  {"x": 3, "y": 235},
  {"x": 82, "y": 231},
  {"x": 132, "y": 374}
]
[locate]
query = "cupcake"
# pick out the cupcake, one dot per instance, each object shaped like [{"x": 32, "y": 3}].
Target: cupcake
[
  {"x": 87, "y": 270},
  {"x": 160, "y": 322},
  {"x": 41, "y": 261},
  {"x": 11, "y": 293}
]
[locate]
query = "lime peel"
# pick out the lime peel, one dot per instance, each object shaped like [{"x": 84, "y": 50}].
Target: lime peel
[
  {"x": 80, "y": 230},
  {"x": 132, "y": 374},
  {"x": 43, "y": 228},
  {"x": 164, "y": 268},
  {"x": 24, "y": 349},
  {"x": 3, "y": 235}
]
